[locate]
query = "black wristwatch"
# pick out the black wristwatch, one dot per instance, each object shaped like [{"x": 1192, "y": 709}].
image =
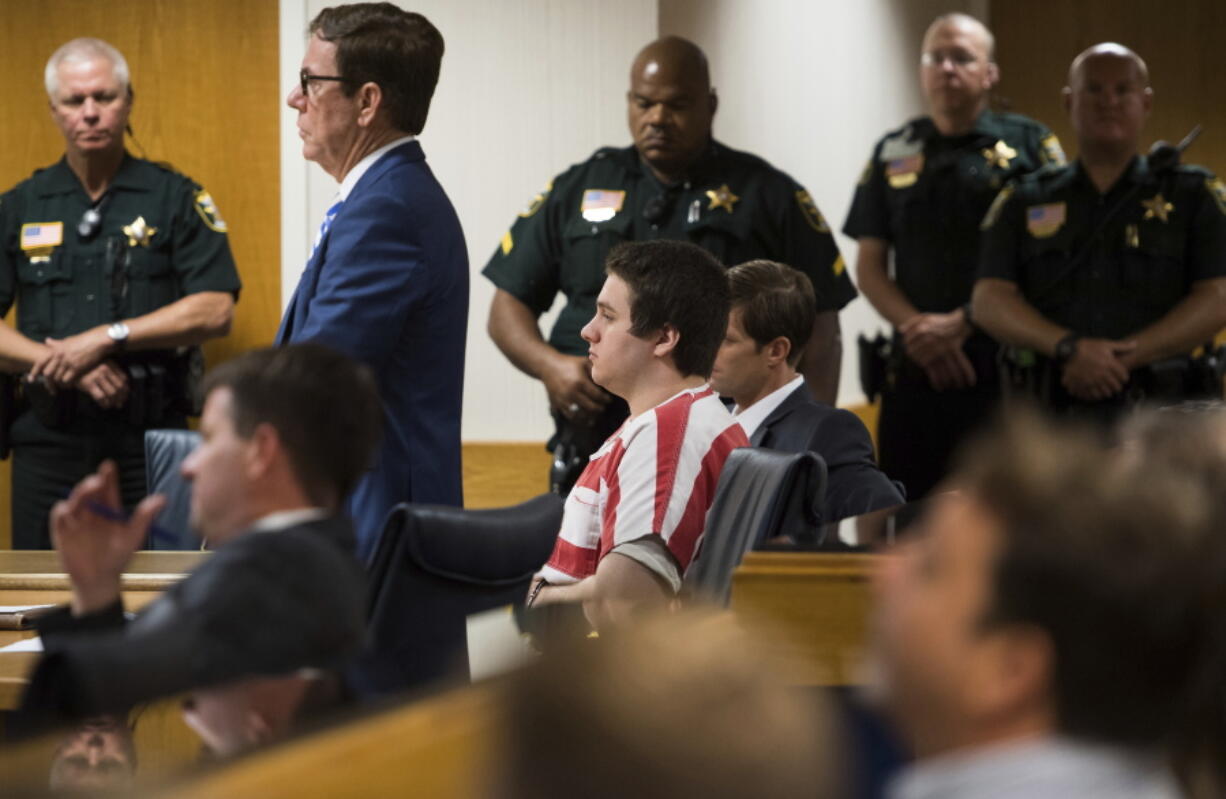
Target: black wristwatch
[{"x": 1066, "y": 348}]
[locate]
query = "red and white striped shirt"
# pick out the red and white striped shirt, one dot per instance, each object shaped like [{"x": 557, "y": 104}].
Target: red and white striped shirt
[{"x": 654, "y": 476}]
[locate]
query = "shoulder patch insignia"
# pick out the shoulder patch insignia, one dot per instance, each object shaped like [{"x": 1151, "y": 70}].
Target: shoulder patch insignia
[
  {"x": 1218, "y": 190},
  {"x": 537, "y": 202},
  {"x": 209, "y": 213},
  {"x": 507, "y": 243},
  {"x": 1050, "y": 150},
  {"x": 1043, "y": 221},
  {"x": 812, "y": 215},
  {"x": 993, "y": 214}
]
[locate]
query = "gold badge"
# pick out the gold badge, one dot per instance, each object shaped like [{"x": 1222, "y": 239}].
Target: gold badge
[
  {"x": 139, "y": 232},
  {"x": 1157, "y": 207},
  {"x": 722, "y": 198},
  {"x": 537, "y": 202},
  {"x": 1050, "y": 150},
  {"x": 209, "y": 213},
  {"x": 839, "y": 266},
  {"x": 1045, "y": 220},
  {"x": 812, "y": 215},
  {"x": 1218, "y": 191},
  {"x": 1000, "y": 155},
  {"x": 507, "y": 243},
  {"x": 997, "y": 206},
  {"x": 1132, "y": 237}
]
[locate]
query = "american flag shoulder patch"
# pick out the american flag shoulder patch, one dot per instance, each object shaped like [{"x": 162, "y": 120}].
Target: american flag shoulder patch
[{"x": 1044, "y": 220}]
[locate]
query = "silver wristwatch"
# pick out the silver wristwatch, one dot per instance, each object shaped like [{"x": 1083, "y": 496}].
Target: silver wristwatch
[{"x": 119, "y": 334}]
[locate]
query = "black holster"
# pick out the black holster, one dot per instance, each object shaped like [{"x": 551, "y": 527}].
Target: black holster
[{"x": 875, "y": 355}]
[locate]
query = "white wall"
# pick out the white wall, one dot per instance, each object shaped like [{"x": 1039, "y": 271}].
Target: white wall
[
  {"x": 810, "y": 85},
  {"x": 527, "y": 88},
  {"x": 530, "y": 86}
]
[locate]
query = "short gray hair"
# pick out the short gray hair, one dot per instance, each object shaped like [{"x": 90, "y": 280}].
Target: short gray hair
[{"x": 85, "y": 49}]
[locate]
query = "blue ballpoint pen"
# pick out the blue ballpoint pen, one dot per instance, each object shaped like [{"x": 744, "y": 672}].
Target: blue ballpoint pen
[{"x": 156, "y": 531}]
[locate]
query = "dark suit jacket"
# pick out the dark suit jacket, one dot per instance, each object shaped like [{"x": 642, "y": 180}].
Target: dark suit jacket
[
  {"x": 854, "y": 484},
  {"x": 266, "y": 603},
  {"x": 388, "y": 286}
]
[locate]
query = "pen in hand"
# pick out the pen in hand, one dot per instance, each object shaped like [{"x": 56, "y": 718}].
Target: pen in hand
[{"x": 156, "y": 531}]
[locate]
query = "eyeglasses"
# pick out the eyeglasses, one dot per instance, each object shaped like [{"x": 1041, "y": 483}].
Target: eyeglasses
[
  {"x": 959, "y": 58},
  {"x": 305, "y": 78}
]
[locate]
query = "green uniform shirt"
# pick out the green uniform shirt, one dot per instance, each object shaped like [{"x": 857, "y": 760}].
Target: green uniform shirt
[
  {"x": 159, "y": 239},
  {"x": 733, "y": 204},
  {"x": 926, "y": 194},
  {"x": 1169, "y": 233}
]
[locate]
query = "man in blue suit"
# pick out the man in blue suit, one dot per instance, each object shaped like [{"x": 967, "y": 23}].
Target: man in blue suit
[
  {"x": 387, "y": 281},
  {"x": 772, "y": 313}
]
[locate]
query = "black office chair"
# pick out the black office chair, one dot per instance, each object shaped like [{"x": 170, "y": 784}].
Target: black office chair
[
  {"x": 164, "y": 452},
  {"x": 762, "y": 493},
  {"x": 433, "y": 567}
]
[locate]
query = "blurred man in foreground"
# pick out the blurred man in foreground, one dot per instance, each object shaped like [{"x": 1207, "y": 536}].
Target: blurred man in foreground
[{"x": 1054, "y": 629}]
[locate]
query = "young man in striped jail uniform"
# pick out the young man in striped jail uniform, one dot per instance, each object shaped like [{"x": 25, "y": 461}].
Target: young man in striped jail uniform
[{"x": 634, "y": 520}]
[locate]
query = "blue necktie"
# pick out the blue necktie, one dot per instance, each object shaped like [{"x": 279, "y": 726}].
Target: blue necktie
[{"x": 324, "y": 225}]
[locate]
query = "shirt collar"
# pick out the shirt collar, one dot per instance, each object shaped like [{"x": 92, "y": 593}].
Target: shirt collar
[
  {"x": 1137, "y": 171},
  {"x": 359, "y": 169},
  {"x": 284, "y": 519},
  {"x": 751, "y": 418},
  {"x": 1052, "y": 766},
  {"x": 60, "y": 179}
]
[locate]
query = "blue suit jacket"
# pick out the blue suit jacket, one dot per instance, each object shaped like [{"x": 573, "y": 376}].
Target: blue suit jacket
[
  {"x": 854, "y": 484},
  {"x": 388, "y": 286}
]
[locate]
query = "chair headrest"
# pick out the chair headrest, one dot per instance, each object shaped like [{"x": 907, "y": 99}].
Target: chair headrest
[{"x": 490, "y": 546}]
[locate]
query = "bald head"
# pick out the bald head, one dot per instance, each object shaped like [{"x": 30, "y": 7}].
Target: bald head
[
  {"x": 671, "y": 106},
  {"x": 1076, "y": 71},
  {"x": 1108, "y": 100},
  {"x": 967, "y": 24},
  {"x": 956, "y": 71},
  {"x": 679, "y": 59}
]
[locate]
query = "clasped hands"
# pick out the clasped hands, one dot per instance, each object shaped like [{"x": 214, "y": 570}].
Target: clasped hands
[
  {"x": 934, "y": 341},
  {"x": 79, "y": 362},
  {"x": 1098, "y": 368}
]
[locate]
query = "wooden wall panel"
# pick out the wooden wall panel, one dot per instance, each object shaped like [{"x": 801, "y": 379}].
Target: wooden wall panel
[
  {"x": 208, "y": 101},
  {"x": 1180, "y": 40}
]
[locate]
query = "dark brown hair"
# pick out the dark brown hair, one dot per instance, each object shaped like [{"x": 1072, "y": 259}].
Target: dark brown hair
[
  {"x": 677, "y": 284},
  {"x": 324, "y": 407},
  {"x": 775, "y": 300},
  {"x": 1116, "y": 559},
  {"x": 380, "y": 43}
]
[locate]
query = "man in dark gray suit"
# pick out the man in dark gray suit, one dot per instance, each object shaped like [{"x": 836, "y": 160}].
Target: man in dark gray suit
[
  {"x": 286, "y": 433},
  {"x": 772, "y": 311}
]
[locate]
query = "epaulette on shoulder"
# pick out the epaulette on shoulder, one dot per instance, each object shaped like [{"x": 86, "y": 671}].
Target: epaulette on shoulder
[
  {"x": 1045, "y": 174},
  {"x": 1016, "y": 120},
  {"x": 1194, "y": 171},
  {"x": 908, "y": 128}
]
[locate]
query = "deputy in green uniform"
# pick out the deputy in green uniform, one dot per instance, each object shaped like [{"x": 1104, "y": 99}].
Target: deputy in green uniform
[
  {"x": 923, "y": 194},
  {"x": 1112, "y": 270},
  {"x": 676, "y": 182},
  {"x": 118, "y": 267}
]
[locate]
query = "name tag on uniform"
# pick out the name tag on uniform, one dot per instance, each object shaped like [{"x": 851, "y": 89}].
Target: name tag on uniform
[
  {"x": 1044, "y": 220},
  {"x": 41, "y": 236},
  {"x": 601, "y": 205}
]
